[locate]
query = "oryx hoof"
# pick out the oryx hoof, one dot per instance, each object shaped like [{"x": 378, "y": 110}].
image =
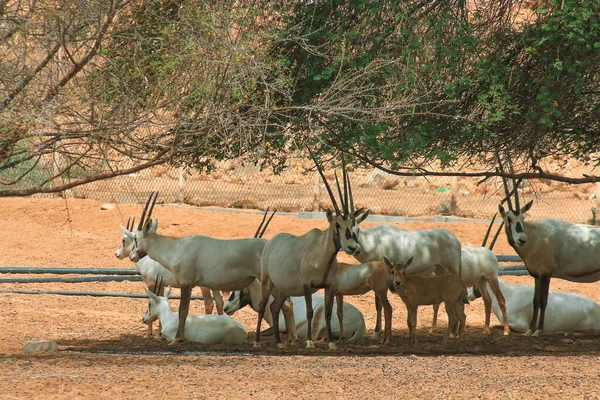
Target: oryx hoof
[
  {"x": 537, "y": 333},
  {"x": 332, "y": 346},
  {"x": 506, "y": 333},
  {"x": 310, "y": 344},
  {"x": 281, "y": 346},
  {"x": 256, "y": 345},
  {"x": 528, "y": 333},
  {"x": 375, "y": 335},
  {"x": 175, "y": 342}
]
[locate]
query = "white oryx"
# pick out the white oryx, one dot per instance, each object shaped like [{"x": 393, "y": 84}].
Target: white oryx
[
  {"x": 430, "y": 249},
  {"x": 353, "y": 320},
  {"x": 550, "y": 248},
  {"x": 201, "y": 328},
  {"x": 151, "y": 271},
  {"x": 198, "y": 260},
  {"x": 299, "y": 265},
  {"x": 567, "y": 312}
]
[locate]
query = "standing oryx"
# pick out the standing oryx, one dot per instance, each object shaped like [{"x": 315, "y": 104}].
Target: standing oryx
[
  {"x": 199, "y": 261},
  {"x": 299, "y": 265},
  {"x": 550, "y": 247},
  {"x": 430, "y": 248}
]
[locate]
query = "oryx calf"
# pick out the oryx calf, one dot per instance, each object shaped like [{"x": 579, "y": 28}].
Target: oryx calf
[{"x": 417, "y": 290}]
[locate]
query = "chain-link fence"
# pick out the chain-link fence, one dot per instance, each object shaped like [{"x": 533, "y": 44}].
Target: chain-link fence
[{"x": 235, "y": 184}]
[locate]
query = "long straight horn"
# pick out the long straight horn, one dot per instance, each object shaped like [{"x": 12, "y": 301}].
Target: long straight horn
[
  {"x": 344, "y": 204},
  {"x": 515, "y": 185},
  {"x": 152, "y": 206},
  {"x": 331, "y": 196},
  {"x": 141, "y": 224},
  {"x": 128, "y": 222},
  {"x": 345, "y": 176},
  {"x": 496, "y": 235},
  {"x": 256, "y": 234},
  {"x": 351, "y": 199},
  {"x": 155, "y": 291},
  {"x": 505, "y": 184},
  {"x": 160, "y": 285},
  {"x": 267, "y": 224},
  {"x": 489, "y": 229}
]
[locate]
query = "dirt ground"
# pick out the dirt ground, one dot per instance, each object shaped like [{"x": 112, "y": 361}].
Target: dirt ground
[{"x": 103, "y": 354}]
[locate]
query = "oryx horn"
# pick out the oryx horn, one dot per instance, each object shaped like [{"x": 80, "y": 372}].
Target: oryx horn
[
  {"x": 260, "y": 233},
  {"x": 143, "y": 219},
  {"x": 489, "y": 229},
  {"x": 331, "y": 196},
  {"x": 493, "y": 242}
]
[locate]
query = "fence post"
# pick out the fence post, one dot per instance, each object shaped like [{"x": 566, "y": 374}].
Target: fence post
[{"x": 180, "y": 196}]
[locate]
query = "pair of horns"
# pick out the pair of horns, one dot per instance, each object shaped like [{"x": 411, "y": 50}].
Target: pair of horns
[
  {"x": 487, "y": 233},
  {"x": 260, "y": 233},
  {"x": 157, "y": 286},
  {"x": 144, "y": 219},
  {"x": 346, "y": 199},
  {"x": 130, "y": 226},
  {"x": 515, "y": 186}
]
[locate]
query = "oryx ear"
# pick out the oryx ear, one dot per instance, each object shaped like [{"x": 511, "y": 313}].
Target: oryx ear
[
  {"x": 151, "y": 295},
  {"x": 408, "y": 262},
  {"x": 388, "y": 263},
  {"x": 154, "y": 226},
  {"x": 526, "y": 207},
  {"x": 362, "y": 215},
  {"x": 502, "y": 211},
  {"x": 329, "y": 215},
  {"x": 126, "y": 232},
  {"x": 168, "y": 292}
]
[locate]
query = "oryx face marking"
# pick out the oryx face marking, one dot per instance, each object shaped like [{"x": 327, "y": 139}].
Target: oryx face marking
[
  {"x": 238, "y": 300},
  {"x": 513, "y": 225}
]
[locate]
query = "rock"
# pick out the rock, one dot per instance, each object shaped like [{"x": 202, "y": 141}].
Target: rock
[
  {"x": 107, "y": 206},
  {"x": 35, "y": 346}
]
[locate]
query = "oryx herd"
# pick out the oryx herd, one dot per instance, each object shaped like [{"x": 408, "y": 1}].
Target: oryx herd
[{"x": 279, "y": 278}]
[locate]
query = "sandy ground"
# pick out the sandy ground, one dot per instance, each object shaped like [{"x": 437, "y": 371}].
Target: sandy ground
[{"x": 103, "y": 353}]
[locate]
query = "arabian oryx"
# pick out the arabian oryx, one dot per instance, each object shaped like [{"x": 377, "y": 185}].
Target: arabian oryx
[
  {"x": 199, "y": 261},
  {"x": 353, "y": 327},
  {"x": 151, "y": 271},
  {"x": 205, "y": 329},
  {"x": 300, "y": 265},
  {"x": 550, "y": 247},
  {"x": 430, "y": 249},
  {"x": 567, "y": 312}
]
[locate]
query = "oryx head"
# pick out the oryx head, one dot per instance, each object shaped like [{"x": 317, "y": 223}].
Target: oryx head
[
  {"x": 345, "y": 221},
  {"x": 154, "y": 301},
  {"x": 238, "y": 300},
  {"x": 126, "y": 242},
  {"x": 146, "y": 227},
  {"x": 513, "y": 217},
  {"x": 397, "y": 270}
]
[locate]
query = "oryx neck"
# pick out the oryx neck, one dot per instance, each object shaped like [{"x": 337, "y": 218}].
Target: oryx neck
[{"x": 163, "y": 249}]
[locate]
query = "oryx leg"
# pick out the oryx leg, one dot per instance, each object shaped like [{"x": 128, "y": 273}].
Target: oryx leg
[
  {"x": 536, "y": 307},
  {"x": 329, "y": 296},
  {"x": 267, "y": 288},
  {"x": 411, "y": 321},
  {"x": 545, "y": 289},
  {"x": 487, "y": 303},
  {"x": 495, "y": 286},
  {"x": 208, "y": 300},
  {"x": 184, "y": 309},
  {"x": 218, "y": 301},
  {"x": 436, "y": 308},
  {"x": 378, "y": 307},
  {"x": 387, "y": 310},
  {"x": 276, "y": 305},
  {"x": 309, "y": 315},
  {"x": 340, "y": 314}
]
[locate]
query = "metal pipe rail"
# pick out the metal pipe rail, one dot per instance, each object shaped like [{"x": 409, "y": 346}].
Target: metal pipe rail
[
  {"x": 94, "y": 294},
  {"x": 66, "y": 271},
  {"x": 73, "y": 280}
]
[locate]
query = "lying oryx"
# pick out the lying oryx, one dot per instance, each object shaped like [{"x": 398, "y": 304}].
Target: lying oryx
[
  {"x": 199, "y": 261},
  {"x": 354, "y": 322},
  {"x": 299, "y": 265},
  {"x": 550, "y": 247},
  {"x": 151, "y": 271},
  {"x": 201, "y": 328},
  {"x": 567, "y": 312}
]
